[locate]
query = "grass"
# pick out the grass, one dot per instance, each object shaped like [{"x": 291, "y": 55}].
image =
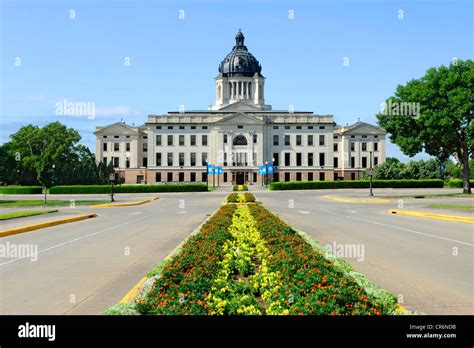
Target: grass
[
  {"x": 452, "y": 206},
  {"x": 40, "y": 203},
  {"x": 20, "y": 214},
  {"x": 423, "y": 195}
]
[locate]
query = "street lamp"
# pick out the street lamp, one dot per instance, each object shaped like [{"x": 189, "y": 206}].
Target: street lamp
[
  {"x": 207, "y": 174},
  {"x": 370, "y": 172},
  {"x": 266, "y": 173},
  {"x": 112, "y": 178}
]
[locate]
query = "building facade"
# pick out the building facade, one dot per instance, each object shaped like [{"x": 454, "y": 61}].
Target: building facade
[{"x": 240, "y": 133}]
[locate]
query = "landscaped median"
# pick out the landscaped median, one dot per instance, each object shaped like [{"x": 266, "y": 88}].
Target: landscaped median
[
  {"x": 246, "y": 261},
  {"x": 240, "y": 198},
  {"x": 126, "y": 204}
]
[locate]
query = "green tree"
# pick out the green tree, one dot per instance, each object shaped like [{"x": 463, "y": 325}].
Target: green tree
[
  {"x": 48, "y": 150},
  {"x": 444, "y": 126}
]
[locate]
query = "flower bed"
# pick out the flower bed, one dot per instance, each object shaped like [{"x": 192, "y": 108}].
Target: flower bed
[
  {"x": 241, "y": 198},
  {"x": 240, "y": 188},
  {"x": 246, "y": 261}
]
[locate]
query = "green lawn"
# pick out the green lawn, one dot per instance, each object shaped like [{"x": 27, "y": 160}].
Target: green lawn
[
  {"x": 423, "y": 195},
  {"x": 40, "y": 203},
  {"x": 452, "y": 206},
  {"x": 20, "y": 214}
]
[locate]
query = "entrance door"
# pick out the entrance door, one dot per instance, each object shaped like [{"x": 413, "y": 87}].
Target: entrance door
[{"x": 239, "y": 178}]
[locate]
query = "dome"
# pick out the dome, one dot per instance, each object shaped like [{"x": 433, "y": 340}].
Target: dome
[{"x": 240, "y": 62}]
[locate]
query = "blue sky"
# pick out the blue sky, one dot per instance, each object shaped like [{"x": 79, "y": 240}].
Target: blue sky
[{"x": 173, "y": 60}]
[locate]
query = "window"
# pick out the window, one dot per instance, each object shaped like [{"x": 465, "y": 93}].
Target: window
[
  {"x": 104, "y": 136},
  {"x": 287, "y": 176},
  {"x": 145, "y": 137},
  {"x": 181, "y": 176},
  {"x": 204, "y": 176},
  {"x": 310, "y": 140},
  {"x": 181, "y": 127},
  {"x": 275, "y": 140},
  {"x": 376, "y": 160},
  {"x": 158, "y": 159},
  {"x": 181, "y": 140},
  {"x": 225, "y": 138},
  {"x": 298, "y": 176},
  {"x": 287, "y": 159},
  {"x": 158, "y": 177},
  {"x": 204, "y": 140},
  {"x": 364, "y": 162},
  {"x": 170, "y": 140},
  {"x": 322, "y": 176},
  {"x": 287, "y": 140},
  {"x": 276, "y": 127},
  {"x": 193, "y": 159},
  {"x": 376, "y": 146},
  {"x": 336, "y": 162},
  {"x": 322, "y": 127},
  {"x": 376, "y": 136},
  {"x": 181, "y": 159},
  {"x": 321, "y": 140},
  {"x": 145, "y": 147},
  {"x": 287, "y": 127},
  {"x": 335, "y": 147},
  {"x": 298, "y": 127},
  {"x": 170, "y": 159},
  {"x": 104, "y": 147},
  {"x": 353, "y": 176},
  {"x": 193, "y": 177},
  {"x": 310, "y": 176},
  {"x": 127, "y": 163},
  {"x": 158, "y": 140},
  {"x": 193, "y": 140},
  {"x": 116, "y": 146},
  {"x": 298, "y": 159},
  {"x": 364, "y": 146},
  {"x": 240, "y": 127},
  {"x": 353, "y": 161},
  {"x": 204, "y": 127},
  {"x": 104, "y": 160},
  {"x": 364, "y": 136},
  {"x": 169, "y": 176},
  {"x": 225, "y": 158},
  {"x": 204, "y": 159},
  {"x": 255, "y": 138},
  {"x": 240, "y": 140},
  {"x": 127, "y": 146},
  {"x": 276, "y": 157},
  {"x": 352, "y": 136},
  {"x": 116, "y": 136},
  {"x": 352, "y": 146},
  {"x": 193, "y": 127},
  {"x": 170, "y": 127},
  {"x": 310, "y": 127},
  {"x": 158, "y": 127},
  {"x": 334, "y": 137},
  {"x": 336, "y": 176},
  {"x": 225, "y": 176},
  {"x": 310, "y": 159},
  {"x": 145, "y": 161},
  {"x": 298, "y": 140},
  {"x": 321, "y": 159}
]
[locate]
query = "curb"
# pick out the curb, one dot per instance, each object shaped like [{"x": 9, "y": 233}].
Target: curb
[
  {"x": 433, "y": 216},
  {"x": 44, "y": 224},
  {"x": 133, "y": 292},
  {"x": 358, "y": 200},
  {"x": 111, "y": 205}
]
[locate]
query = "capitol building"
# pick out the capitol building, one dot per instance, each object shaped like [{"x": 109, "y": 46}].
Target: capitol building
[{"x": 240, "y": 132}]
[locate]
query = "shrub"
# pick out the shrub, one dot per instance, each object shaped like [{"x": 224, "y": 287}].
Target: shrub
[
  {"x": 90, "y": 189},
  {"x": 241, "y": 198},
  {"x": 240, "y": 188},
  {"x": 316, "y": 185},
  {"x": 457, "y": 183},
  {"x": 20, "y": 190}
]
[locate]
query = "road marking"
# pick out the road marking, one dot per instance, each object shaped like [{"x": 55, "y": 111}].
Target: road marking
[
  {"x": 76, "y": 239},
  {"x": 136, "y": 213},
  {"x": 303, "y": 211},
  {"x": 433, "y": 216},
  {"x": 351, "y": 211},
  {"x": 373, "y": 200},
  {"x": 181, "y": 212},
  {"x": 399, "y": 228}
]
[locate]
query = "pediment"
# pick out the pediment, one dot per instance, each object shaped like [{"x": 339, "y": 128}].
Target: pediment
[
  {"x": 240, "y": 106},
  {"x": 117, "y": 129},
  {"x": 365, "y": 129},
  {"x": 240, "y": 118}
]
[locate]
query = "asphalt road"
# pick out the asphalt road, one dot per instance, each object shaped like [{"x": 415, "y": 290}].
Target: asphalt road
[
  {"x": 427, "y": 263},
  {"x": 86, "y": 266}
]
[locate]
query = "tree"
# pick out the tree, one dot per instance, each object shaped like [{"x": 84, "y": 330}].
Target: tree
[
  {"x": 443, "y": 127},
  {"x": 48, "y": 150}
]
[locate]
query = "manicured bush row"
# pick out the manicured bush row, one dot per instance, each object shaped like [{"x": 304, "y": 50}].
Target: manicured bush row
[
  {"x": 240, "y": 188},
  {"x": 186, "y": 280},
  {"x": 457, "y": 183},
  {"x": 20, "y": 190},
  {"x": 315, "y": 185},
  {"x": 309, "y": 282},
  {"x": 241, "y": 198},
  {"x": 91, "y": 189}
]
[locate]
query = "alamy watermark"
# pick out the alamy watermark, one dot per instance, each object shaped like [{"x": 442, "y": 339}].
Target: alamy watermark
[
  {"x": 348, "y": 251},
  {"x": 400, "y": 109},
  {"x": 20, "y": 251},
  {"x": 71, "y": 108}
]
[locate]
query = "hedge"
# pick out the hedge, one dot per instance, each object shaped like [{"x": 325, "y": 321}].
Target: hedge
[
  {"x": 316, "y": 185},
  {"x": 457, "y": 183},
  {"x": 88, "y": 189},
  {"x": 20, "y": 190}
]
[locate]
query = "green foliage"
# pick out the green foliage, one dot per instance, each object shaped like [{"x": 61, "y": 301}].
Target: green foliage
[
  {"x": 444, "y": 125},
  {"x": 456, "y": 183},
  {"x": 240, "y": 188},
  {"x": 20, "y": 190},
  {"x": 99, "y": 189},
  {"x": 316, "y": 185}
]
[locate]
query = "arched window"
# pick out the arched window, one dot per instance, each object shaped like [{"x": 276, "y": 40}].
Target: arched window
[{"x": 240, "y": 140}]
